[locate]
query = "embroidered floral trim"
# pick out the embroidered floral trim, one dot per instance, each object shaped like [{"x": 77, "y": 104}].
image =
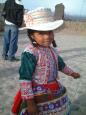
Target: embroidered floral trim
[
  {"x": 26, "y": 89},
  {"x": 57, "y": 104}
]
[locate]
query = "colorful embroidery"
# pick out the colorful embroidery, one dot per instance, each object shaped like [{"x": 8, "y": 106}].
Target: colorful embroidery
[
  {"x": 58, "y": 104},
  {"x": 67, "y": 70},
  {"x": 46, "y": 68},
  {"x": 26, "y": 89}
]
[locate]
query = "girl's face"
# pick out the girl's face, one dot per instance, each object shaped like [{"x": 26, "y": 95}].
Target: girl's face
[{"x": 43, "y": 38}]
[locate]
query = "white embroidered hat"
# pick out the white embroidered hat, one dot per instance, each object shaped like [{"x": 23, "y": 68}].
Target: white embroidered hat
[{"x": 41, "y": 19}]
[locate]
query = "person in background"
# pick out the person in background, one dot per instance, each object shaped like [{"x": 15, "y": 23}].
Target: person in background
[
  {"x": 13, "y": 15},
  {"x": 41, "y": 93}
]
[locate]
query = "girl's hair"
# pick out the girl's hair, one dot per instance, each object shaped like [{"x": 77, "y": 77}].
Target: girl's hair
[
  {"x": 30, "y": 32},
  {"x": 54, "y": 43}
]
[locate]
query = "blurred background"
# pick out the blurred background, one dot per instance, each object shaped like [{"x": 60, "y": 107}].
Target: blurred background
[{"x": 72, "y": 10}]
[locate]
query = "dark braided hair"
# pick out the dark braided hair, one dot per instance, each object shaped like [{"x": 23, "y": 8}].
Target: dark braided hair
[
  {"x": 54, "y": 44},
  {"x": 35, "y": 44},
  {"x": 29, "y": 33}
]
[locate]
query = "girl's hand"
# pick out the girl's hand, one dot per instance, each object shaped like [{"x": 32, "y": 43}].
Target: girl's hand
[
  {"x": 32, "y": 108},
  {"x": 75, "y": 75}
]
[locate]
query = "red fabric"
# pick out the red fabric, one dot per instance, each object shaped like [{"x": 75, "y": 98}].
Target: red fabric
[
  {"x": 52, "y": 86},
  {"x": 17, "y": 102}
]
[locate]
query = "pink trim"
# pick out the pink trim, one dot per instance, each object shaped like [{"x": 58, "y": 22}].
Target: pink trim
[{"x": 67, "y": 70}]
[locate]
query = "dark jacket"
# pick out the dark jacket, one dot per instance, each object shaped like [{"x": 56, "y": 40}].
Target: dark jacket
[{"x": 13, "y": 12}]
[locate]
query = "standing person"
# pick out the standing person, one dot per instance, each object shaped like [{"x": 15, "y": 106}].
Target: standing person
[
  {"x": 13, "y": 15},
  {"x": 40, "y": 89}
]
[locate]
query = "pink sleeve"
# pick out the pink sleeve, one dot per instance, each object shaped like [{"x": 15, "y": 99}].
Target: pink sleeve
[
  {"x": 26, "y": 89},
  {"x": 67, "y": 70}
]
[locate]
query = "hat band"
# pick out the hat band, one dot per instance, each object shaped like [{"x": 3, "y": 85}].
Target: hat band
[{"x": 30, "y": 20}]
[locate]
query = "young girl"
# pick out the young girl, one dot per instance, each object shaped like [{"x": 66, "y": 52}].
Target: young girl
[{"x": 41, "y": 92}]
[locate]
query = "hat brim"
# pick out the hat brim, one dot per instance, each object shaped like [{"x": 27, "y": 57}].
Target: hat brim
[{"x": 46, "y": 26}]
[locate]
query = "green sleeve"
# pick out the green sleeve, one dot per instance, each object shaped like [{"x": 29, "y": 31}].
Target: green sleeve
[
  {"x": 28, "y": 64},
  {"x": 61, "y": 63}
]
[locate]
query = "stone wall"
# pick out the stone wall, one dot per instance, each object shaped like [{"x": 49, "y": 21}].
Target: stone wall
[
  {"x": 71, "y": 27},
  {"x": 76, "y": 26},
  {"x": 59, "y": 11}
]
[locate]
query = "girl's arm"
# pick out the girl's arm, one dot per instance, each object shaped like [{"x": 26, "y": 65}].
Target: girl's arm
[
  {"x": 27, "y": 68},
  {"x": 65, "y": 69},
  {"x": 32, "y": 108}
]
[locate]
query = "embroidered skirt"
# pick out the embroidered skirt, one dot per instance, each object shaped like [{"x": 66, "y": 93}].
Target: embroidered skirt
[{"x": 50, "y": 102}]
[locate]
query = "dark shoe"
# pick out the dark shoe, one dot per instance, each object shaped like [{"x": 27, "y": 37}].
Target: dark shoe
[
  {"x": 14, "y": 59},
  {"x": 5, "y": 57}
]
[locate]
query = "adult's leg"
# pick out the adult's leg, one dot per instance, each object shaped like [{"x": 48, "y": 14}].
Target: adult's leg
[
  {"x": 13, "y": 41},
  {"x": 6, "y": 41}
]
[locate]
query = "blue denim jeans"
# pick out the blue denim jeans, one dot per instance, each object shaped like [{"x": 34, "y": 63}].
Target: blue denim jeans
[{"x": 10, "y": 40}]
